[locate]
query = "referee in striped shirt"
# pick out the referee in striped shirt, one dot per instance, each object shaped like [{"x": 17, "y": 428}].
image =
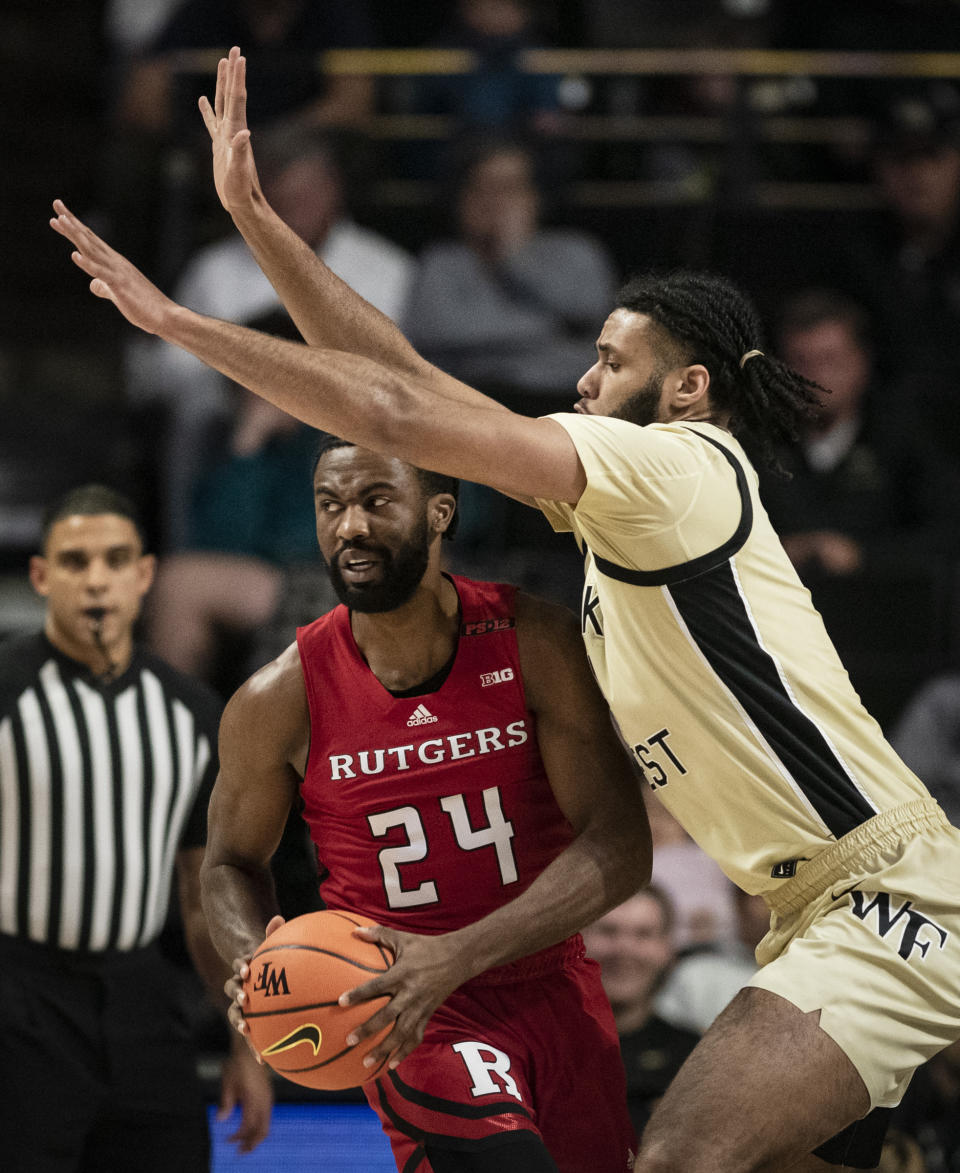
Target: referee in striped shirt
[{"x": 107, "y": 757}]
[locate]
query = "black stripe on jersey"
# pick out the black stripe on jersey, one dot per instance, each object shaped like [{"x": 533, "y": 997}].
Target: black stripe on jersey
[
  {"x": 463, "y": 1143},
  {"x": 173, "y": 741},
  {"x": 454, "y": 1107},
  {"x": 417, "y": 1157},
  {"x": 146, "y": 759},
  {"x": 119, "y": 854},
  {"x": 26, "y": 818},
  {"x": 705, "y": 562},
  {"x": 716, "y": 616},
  {"x": 55, "y": 820},
  {"x": 86, "y": 759}
]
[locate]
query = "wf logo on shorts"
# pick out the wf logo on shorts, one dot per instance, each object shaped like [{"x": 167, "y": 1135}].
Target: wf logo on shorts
[{"x": 916, "y": 930}]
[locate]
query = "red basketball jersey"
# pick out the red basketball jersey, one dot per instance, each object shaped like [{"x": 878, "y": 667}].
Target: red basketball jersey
[{"x": 430, "y": 811}]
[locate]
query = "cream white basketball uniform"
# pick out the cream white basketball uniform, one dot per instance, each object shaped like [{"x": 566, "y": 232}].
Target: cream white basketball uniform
[{"x": 728, "y": 691}]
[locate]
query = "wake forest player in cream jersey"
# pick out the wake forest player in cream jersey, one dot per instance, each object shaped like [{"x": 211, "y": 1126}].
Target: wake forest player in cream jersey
[
  {"x": 711, "y": 656},
  {"x": 721, "y": 676}
]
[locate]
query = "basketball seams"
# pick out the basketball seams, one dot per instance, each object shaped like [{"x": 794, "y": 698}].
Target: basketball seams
[
  {"x": 385, "y": 954},
  {"x": 290, "y": 1009},
  {"x": 312, "y": 955},
  {"x": 352, "y": 961},
  {"x": 326, "y": 1062}
]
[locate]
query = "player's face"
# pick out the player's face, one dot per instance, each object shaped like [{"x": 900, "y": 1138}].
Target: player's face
[
  {"x": 372, "y": 528},
  {"x": 91, "y": 566},
  {"x": 627, "y": 380},
  {"x": 634, "y": 950}
]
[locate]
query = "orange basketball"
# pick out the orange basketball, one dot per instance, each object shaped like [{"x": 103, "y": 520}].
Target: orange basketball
[{"x": 295, "y": 979}]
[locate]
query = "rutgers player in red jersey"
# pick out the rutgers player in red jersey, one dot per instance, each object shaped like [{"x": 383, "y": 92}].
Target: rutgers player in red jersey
[{"x": 464, "y": 788}]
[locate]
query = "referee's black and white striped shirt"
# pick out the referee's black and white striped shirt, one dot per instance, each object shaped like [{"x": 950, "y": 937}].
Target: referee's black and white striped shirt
[{"x": 100, "y": 784}]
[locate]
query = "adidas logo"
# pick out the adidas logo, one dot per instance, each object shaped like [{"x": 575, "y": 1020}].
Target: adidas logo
[{"x": 421, "y": 715}]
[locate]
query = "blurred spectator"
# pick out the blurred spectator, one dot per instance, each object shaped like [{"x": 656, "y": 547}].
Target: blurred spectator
[
  {"x": 303, "y": 181},
  {"x": 250, "y": 573},
  {"x": 927, "y": 737},
  {"x": 901, "y": 1154},
  {"x": 703, "y": 983},
  {"x": 675, "y": 24},
  {"x": 700, "y": 895},
  {"x": 908, "y": 267},
  {"x": 157, "y": 144},
  {"x": 498, "y": 95},
  {"x": 868, "y": 515},
  {"x": 930, "y": 1112},
  {"x": 864, "y": 493},
  {"x": 281, "y": 40},
  {"x": 132, "y": 25},
  {"x": 634, "y": 947},
  {"x": 509, "y": 303},
  {"x": 679, "y": 24}
]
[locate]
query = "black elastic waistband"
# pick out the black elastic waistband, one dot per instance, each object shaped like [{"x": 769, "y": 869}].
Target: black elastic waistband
[{"x": 42, "y": 955}]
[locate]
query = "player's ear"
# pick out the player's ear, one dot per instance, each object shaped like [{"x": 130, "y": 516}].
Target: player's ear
[
  {"x": 146, "y": 572},
  {"x": 38, "y": 574},
  {"x": 693, "y": 385},
  {"x": 440, "y": 511}
]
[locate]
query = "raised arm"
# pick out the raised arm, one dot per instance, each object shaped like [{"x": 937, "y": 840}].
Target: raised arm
[
  {"x": 610, "y": 858},
  {"x": 356, "y": 397},
  {"x": 327, "y": 312}
]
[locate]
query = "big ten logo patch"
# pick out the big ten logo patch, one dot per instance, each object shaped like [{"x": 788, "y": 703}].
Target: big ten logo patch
[
  {"x": 500, "y": 677},
  {"x": 916, "y": 931},
  {"x": 483, "y": 1062},
  {"x": 271, "y": 981}
]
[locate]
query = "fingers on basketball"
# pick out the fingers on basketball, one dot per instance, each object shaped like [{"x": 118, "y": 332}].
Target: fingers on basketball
[{"x": 292, "y": 1011}]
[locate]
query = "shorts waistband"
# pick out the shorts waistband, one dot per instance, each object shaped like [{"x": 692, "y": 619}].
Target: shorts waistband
[
  {"x": 51, "y": 958},
  {"x": 534, "y": 965},
  {"x": 886, "y": 829}
]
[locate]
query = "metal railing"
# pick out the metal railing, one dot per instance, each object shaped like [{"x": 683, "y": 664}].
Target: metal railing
[{"x": 756, "y": 128}]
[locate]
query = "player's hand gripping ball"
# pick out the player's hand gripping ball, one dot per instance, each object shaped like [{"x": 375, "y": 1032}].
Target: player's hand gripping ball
[{"x": 295, "y": 979}]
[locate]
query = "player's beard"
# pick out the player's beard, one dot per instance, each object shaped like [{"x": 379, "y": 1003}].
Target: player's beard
[
  {"x": 400, "y": 575},
  {"x": 643, "y": 406}
]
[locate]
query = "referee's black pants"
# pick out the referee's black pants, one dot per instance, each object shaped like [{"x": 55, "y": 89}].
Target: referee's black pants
[{"x": 97, "y": 1065}]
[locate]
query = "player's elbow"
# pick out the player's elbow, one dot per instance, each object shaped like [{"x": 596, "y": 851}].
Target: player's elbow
[{"x": 395, "y": 413}]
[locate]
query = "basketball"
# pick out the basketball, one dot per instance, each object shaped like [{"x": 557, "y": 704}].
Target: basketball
[{"x": 295, "y": 979}]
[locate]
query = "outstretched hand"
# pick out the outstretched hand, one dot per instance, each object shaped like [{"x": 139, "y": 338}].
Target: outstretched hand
[
  {"x": 234, "y": 171},
  {"x": 426, "y": 970},
  {"x": 112, "y": 276}
]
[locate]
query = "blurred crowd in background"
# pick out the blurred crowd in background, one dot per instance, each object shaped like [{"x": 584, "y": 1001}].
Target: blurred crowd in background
[{"x": 489, "y": 197}]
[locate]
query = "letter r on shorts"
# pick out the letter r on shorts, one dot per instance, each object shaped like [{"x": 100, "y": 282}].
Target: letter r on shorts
[{"x": 479, "y": 1068}]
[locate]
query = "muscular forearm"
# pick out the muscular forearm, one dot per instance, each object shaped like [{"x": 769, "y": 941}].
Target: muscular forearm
[
  {"x": 350, "y": 395},
  {"x": 211, "y": 967},
  {"x": 318, "y": 386},
  {"x": 238, "y": 905},
  {"x": 599, "y": 870},
  {"x": 326, "y": 310}
]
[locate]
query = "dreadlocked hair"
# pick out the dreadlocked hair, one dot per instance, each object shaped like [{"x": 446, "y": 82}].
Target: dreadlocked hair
[{"x": 704, "y": 318}]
